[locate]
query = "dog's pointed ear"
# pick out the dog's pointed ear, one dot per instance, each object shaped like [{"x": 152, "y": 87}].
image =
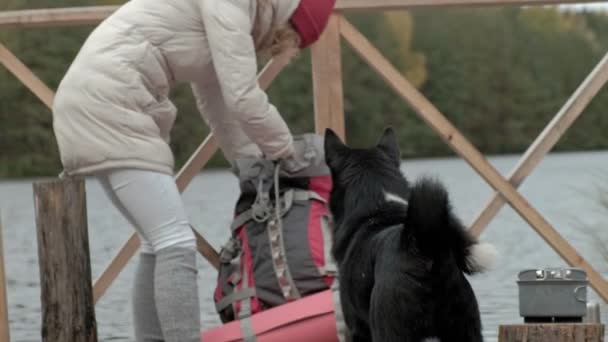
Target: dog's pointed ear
[
  {"x": 334, "y": 148},
  {"x": 388, "y": 144}
]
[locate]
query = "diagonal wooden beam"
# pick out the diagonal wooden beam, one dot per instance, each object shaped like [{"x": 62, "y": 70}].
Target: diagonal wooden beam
[
  {"x": 431, "y": 115},
  {"x": 567, "y": 115},
  {"x": 26, "y": 76},
  {"x": 196, "y": 162}
]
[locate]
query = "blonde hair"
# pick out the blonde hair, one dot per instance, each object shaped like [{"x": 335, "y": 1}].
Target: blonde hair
[{"x": 280, "y": 39}]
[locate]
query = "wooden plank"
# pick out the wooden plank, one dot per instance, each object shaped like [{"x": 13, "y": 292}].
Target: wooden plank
[
  {"x": 402, "y": 4},
  {"x": 431, "y": 115},
  {"x": 26, "y": 76},
  {"x": 272, "y": 70},
  {"x": 4, "y": 327},
  {"x": 118, "y": 263},
  {"x": 567, "y": 115},
  {"x": 327, "y": 80},
  {"x": 207, "y": 250},
  {"x": 94, "y": 14},
  {"x": 68, "y": 311},
  {"x": 558, "y": 332},
  {"x": 86, "y": 15},
  {"x": 196, "y": 162}
]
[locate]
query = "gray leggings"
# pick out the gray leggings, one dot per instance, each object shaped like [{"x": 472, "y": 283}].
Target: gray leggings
[{"x": 165, "y": 294}]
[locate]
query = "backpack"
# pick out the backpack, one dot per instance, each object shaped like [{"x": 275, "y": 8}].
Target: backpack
[{"x": 280, "y": 244}]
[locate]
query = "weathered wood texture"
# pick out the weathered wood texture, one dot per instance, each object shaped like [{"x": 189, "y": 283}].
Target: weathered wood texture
[
  {"x": 327, "y": 80},
  {"x": 4, "y": 331},
  {"x": 558, "y": 332},
  {"x": 68, "y": 311}
]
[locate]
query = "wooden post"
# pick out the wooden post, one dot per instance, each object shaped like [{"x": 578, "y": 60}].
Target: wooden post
[
  {"x": 4, "y": 332},
  {"x": 68, "y": 311},
  {"x": 327, "y": 80},
  {"x": 557, "y": 332}
]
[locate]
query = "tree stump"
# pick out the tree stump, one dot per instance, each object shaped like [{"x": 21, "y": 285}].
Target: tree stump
[
  {"x": 68, "y": 310},
  {"x": 551, "y": 332}
]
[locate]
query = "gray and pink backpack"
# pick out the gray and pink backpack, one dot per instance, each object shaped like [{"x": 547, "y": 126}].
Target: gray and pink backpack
[{"x": 280, "y": 246}]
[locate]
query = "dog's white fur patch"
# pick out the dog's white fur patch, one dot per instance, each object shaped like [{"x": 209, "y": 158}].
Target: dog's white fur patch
[
  {"x": 431, "y": 339},
  {"x": 483, "y": 255},
  {"x": 394, "y": 198}
]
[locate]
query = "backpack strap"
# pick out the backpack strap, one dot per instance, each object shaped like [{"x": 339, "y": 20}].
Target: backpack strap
[
  {"x": 330, "y": 268},
  {"x": 277, "y": 248},
  {"x": 234, "y": 297},
  {"x": 245, "y": 312},
  {"x": 232, "y": 253},
  {"x": 279, "y": 261},
  {"x": 229, "y": 250},
  {"x": 341, "y": 327},
  {"x": 303, "y": 195},
  {"x": 286, "y": 202},
  {"x": 241, "y": 219}
]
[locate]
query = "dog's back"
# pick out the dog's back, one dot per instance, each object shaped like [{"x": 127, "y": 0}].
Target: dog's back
[
  {"x": 401, "y": 252},
  {"x": 419, "y": 273}
]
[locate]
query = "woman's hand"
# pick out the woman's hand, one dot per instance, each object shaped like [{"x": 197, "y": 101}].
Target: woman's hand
[
  {"x": 305, "y": 154},
  {"x": 295, "y": 163}
]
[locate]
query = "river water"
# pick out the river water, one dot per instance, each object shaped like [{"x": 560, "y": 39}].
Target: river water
[{"x": 566, "y": 188}]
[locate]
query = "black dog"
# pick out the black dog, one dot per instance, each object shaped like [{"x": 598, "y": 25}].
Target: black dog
[{"x": 401, "y": 253}]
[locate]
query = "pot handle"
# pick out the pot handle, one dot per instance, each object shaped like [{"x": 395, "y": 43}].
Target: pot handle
[{"x": 578, "y": 293}]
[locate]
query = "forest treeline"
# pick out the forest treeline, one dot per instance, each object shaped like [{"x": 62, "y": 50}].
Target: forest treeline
[{"x": 499, "y": 74}]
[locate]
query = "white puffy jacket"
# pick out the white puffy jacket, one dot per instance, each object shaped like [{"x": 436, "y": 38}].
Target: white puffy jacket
[{"x": 112, "y": 108}]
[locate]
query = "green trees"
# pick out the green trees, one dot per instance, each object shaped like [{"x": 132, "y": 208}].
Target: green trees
[
  {"x": 27, "y": 145},
  {"x": 499, "y": 74}
]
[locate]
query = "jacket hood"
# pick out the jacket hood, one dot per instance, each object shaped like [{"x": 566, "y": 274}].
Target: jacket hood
[
  {"x": 278, "y": 13},
  {"x": 283, "y": 10}
]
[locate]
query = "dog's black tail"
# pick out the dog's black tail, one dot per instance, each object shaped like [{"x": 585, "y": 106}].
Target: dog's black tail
[{"x": 438, "y": 233}]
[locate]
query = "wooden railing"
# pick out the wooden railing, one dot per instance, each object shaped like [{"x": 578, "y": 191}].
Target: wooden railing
[
  {"x": 94, "y": 14},
  {"x": 329, "y": 112}
]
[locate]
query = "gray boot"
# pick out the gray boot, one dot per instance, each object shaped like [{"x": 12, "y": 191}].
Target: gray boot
[
  {"x": 176, "y": 294},
  {"x": 145, "y": 318}
]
